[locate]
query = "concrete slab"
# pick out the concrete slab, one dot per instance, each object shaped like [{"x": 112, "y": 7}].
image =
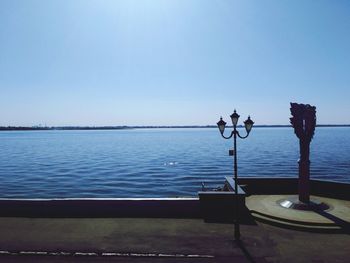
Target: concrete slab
[{"x": 269, "y": 205}]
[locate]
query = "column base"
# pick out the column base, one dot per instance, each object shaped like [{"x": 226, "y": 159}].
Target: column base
[{"x": 295, "y": 203}]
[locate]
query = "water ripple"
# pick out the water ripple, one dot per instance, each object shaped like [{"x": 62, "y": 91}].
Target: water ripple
[{"x": 155, "y": 163}]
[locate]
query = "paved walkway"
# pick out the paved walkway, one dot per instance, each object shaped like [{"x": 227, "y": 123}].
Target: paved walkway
[
  {"x": 162, "y": 240},
  {"x": 173, "y": 240}
]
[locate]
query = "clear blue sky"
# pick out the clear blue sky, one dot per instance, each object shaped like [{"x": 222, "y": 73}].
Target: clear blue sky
[{"x": 172, "y": 62}]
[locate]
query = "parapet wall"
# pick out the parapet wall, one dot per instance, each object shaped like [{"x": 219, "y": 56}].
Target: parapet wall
[
  {"x": 268, "y": 185},
  {"x": 158, "y": 207},
  {"x": 94, "y": 207}
]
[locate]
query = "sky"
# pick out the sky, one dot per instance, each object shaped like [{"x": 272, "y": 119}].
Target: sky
[{"x": 172, "y": 62}]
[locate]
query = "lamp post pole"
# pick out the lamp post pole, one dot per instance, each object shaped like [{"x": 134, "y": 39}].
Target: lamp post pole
[
  {"x": 237, "y": 231},
  {"x": 248, "y": 126}
]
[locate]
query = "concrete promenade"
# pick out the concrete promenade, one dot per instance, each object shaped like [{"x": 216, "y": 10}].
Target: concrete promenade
[{"x": 167, "y": 240}]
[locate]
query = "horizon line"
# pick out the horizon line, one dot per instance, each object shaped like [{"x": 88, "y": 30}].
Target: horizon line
[{"x": 115, "y": 127}]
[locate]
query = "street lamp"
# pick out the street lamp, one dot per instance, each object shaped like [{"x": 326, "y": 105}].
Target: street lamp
[{"x": 248, "y": 124}]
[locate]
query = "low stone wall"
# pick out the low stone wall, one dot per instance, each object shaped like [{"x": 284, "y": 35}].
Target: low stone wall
[
  {"x": 158, "y": 207},
  {"x": 268, "y": 185},
  {"x": 147, "y": 207}
]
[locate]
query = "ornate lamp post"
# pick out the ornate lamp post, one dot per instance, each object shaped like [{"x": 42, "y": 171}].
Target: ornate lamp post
[{"x": 248, "y": 124}]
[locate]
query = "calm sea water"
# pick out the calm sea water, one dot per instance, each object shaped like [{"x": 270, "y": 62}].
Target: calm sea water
[{"x": 155, "y": 162}]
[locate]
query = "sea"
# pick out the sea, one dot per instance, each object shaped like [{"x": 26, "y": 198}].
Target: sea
[{"x": 162, "y": 162}]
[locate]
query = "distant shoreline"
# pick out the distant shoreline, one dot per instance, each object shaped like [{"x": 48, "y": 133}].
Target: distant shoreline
[{"x": 39, "y": 128}]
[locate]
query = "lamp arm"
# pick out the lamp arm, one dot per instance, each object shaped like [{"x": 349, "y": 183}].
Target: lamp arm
[
  {"x": 242, "y": 137},
  {"x": 229, "y": 137}
]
